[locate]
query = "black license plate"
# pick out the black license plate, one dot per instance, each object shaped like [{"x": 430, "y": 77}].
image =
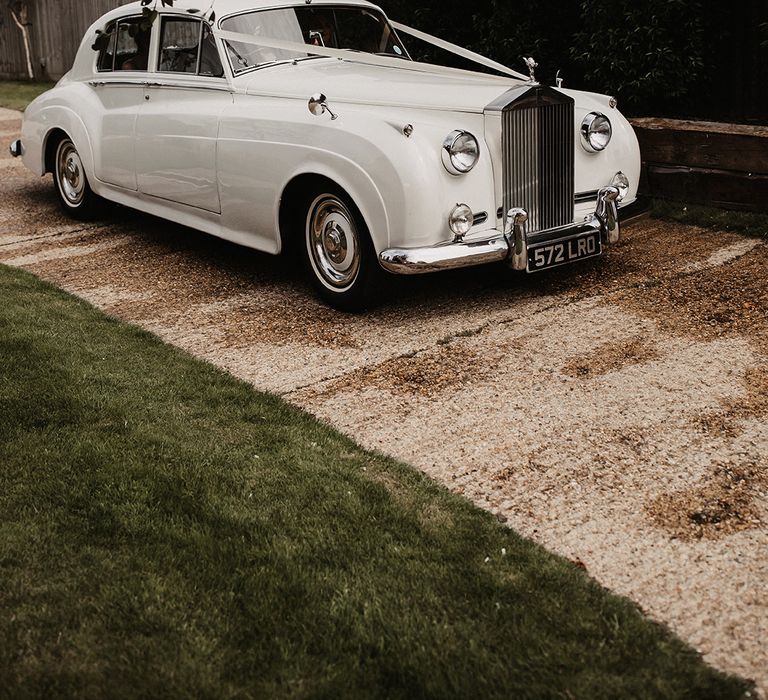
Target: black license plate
[{"x": 542, "y": 256}]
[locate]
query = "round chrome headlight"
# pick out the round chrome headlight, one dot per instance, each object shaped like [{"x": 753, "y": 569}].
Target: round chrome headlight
[
  {"x": 461, "y": 220},
  {"x": 596, "y": 132},
  {"x": 460, "y": 152}
]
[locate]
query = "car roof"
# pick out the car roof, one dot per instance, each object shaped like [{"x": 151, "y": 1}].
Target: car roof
[
  {"x": 223, "y": 8},
  {"x": 82, "y": 68}
]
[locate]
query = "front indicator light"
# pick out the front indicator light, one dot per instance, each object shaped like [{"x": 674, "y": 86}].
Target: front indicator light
[
  {"x": 621, "y": 182},
  {"x": 461, "y": 220}
]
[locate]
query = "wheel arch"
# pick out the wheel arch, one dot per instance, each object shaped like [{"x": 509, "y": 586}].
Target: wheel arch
[{"x": 361, "y": 192}]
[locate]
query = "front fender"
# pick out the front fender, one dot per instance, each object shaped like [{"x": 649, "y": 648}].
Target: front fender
[
  {"x": 407, "y": 171},
  {"x": 399, "y": 183}
]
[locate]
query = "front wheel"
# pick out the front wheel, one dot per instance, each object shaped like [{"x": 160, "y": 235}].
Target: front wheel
[
  {"x": 339, "y": 253},
  {"x": 75, "y": 194}
]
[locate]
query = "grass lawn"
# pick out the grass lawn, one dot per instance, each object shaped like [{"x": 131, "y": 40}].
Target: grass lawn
[
  {"x": 749, "y": 223},
  {"x": 16, "y": 94},
  {"x": 167, "y": 531}
]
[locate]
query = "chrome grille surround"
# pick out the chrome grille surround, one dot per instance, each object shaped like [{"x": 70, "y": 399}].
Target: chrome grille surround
[{"x": 537, "y": 142}]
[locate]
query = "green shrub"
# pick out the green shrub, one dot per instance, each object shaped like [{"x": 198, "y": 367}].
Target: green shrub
[
  {"x": 645, "y": 51},
  {"x": 651, "y": 54},
  {"x": 532, "y": 29}
]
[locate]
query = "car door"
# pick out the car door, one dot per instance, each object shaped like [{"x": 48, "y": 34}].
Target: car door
[
  {"x": 122, "y": 66},
  {"x": 178, "y": 122}
]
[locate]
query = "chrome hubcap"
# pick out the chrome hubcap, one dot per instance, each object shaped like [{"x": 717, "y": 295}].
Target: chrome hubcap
[
  {"x": 70, "y": 170},
  {"x": 333, "y": 241}
]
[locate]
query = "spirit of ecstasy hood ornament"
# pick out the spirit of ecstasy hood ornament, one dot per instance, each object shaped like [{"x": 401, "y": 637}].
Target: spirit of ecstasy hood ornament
[{"x": 532, "y": 66}]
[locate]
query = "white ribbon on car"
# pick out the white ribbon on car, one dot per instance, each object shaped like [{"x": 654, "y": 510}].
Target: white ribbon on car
[
  {"x": 458, "y": 50},
  {"x": 372, "y": 60}
]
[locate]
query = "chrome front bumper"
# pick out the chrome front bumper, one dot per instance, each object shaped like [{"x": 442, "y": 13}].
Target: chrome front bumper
[
  {"x": 17, "y": 148},
  {"x": 511, "y": 246}
]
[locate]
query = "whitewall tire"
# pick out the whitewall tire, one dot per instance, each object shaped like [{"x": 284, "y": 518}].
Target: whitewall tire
[{"x": 75, "y": 193}]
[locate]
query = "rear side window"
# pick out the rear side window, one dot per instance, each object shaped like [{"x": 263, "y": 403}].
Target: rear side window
[
  {"x": 188, "y": 46},
  {"x": 107, "y": 55},
  {"x": 128, "y": 47}
]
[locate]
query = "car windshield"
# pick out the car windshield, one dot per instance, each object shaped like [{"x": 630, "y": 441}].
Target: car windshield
[{"x": 353, "y": 28}]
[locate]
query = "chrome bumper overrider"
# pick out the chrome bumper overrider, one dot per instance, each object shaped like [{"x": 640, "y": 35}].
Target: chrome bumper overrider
[
  {"x": 511, "y": 246},
  {"x": 17, "y": 149}
]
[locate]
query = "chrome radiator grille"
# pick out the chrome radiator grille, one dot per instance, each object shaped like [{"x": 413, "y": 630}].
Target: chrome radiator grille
[{"x": 538, "y": 142}]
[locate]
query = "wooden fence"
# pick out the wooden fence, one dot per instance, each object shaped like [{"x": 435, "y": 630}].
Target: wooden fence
[
  {"x": 722, "y": 165},
  {"x": 57, "y": 28}
]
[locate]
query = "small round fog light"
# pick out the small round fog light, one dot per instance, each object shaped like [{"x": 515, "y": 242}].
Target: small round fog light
[
  {"x": 621, "y": 183},
  {"x": 461, "y": 220}
]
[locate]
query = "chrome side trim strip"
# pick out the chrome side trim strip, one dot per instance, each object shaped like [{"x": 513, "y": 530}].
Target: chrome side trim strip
[
  {"x": 155, "y": 84},
  {"x": 138, "y": 82}
]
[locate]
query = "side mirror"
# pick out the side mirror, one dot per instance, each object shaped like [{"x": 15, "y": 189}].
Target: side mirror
[{"x": 318, "y": 105}]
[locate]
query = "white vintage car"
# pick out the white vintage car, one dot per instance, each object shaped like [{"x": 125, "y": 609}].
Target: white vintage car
[{"x": 279, "y": 122}]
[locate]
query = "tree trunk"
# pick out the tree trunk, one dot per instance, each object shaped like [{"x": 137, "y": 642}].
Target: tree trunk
[{"x": 21, "y": 20}]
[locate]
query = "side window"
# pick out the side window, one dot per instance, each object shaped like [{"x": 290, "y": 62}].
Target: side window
[
  {"x": 179, "y": 46},
  {"x": 132, "y": 50},
  {"x": 107, "y": 55},
  {"x": 210, "y": 61},
  {"x": 188, "y": 46}
]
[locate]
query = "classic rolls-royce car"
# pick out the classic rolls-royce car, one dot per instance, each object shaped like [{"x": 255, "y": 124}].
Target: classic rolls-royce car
[{"x": 306, "y": 124}]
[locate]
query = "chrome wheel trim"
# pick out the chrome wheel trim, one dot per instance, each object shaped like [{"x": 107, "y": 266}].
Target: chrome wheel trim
[
  {"x": 333, "y": 242},
  {"x": 70, "y": 174}
]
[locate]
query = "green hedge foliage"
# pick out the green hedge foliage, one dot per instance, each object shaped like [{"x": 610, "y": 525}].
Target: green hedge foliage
[{"x": 659, "y": 57}]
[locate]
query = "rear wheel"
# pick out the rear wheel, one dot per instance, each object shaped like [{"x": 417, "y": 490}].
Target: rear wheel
[
  {"x": 339, "y": 253},
  {"x": 75, "y": 194}
]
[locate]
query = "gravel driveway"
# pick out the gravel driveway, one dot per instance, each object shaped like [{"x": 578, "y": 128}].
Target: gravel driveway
[{"x": 615, "y": 412}]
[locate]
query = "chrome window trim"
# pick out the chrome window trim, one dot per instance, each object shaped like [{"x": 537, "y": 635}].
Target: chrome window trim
[
  {"x": 154, "y": 51},
  {"x": 116, "y": 23},
  {"x": 203, "y": 24},
  {"x": 176, "y": 18}
]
